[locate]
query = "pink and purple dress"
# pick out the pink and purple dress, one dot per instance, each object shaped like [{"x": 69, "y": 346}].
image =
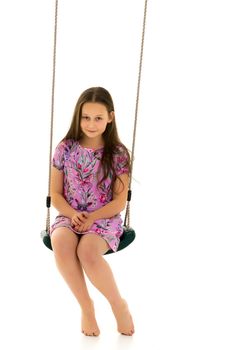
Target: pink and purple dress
[{"x": 82, "y": 170}]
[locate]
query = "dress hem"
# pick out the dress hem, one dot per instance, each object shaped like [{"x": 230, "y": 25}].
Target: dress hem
[{"x": 112, "y": 247}]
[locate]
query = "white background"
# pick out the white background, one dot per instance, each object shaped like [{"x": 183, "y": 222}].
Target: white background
[{"x": 177, "y": 275}]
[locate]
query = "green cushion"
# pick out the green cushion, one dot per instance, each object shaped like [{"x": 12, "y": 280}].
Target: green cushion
[{"x": 46, "y": 239}]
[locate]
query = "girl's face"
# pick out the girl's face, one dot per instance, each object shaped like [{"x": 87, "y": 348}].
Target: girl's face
[{"x": 94, "y": 119}]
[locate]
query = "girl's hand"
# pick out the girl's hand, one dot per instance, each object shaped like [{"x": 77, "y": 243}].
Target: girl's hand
[
  {"x": 85, "y": 225},
  {"x": 78, "y": 218}
]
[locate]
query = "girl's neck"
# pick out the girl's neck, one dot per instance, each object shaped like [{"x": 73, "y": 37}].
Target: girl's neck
[{"x": 91, "y": 143}]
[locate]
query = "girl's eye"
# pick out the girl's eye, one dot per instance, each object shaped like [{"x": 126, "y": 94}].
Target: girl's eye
[{"x": 85, "y": 117}]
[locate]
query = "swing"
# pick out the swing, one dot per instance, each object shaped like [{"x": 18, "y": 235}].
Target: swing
[{"x": 128, "y": 235}]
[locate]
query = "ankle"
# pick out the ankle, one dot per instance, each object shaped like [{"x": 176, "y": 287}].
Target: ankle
[{"x": 87, "y": 307}]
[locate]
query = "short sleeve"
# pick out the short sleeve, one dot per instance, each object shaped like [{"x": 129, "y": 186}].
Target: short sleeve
[
  {"x": 60, "y": 154},
  {"x": 121, "y": 160}
]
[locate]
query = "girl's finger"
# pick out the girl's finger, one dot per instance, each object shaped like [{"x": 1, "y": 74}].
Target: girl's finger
[
  {"x": 82, "y": 219},
  {"x": 85, "y": 228},
  {"x": 81, "y": 222}
]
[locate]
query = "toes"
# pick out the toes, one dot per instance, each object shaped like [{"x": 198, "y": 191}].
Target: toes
[
  {"x": 90, "y": 334},
  {"x": 128, "y": 334}
]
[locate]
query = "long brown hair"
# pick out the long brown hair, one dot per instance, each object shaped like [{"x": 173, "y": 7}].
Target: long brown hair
[{"x": 110, "y": 135}]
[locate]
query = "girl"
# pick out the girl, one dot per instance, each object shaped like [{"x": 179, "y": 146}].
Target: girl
[{"x": 89, "y": 185}]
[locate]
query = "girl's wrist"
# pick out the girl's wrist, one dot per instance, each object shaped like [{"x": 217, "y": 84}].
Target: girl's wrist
[
  {"x": 92, "y": 216},
  {"x": 72, "y": 213}
]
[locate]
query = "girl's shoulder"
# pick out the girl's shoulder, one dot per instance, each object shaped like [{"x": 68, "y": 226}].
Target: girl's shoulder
[
  {"x": 121, "y": 159},
  {"x": 67, "y": 144},
  {"x": 120, "y": 149},
  {"x": 65, "y": 147},
  {"x": 63, "y": 152}
]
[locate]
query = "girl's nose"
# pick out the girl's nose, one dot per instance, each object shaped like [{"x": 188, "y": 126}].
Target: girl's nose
[{"x": 91, "y": 124}]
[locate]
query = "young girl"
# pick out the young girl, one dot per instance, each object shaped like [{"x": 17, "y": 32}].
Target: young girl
[{"x": 89, "y": 185}]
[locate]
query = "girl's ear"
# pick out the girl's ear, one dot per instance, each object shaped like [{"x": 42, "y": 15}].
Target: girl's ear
[{"x": 111, "y": 116}]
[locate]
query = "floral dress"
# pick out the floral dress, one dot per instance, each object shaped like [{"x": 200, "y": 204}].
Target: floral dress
[{"x": 82, "y": 170}]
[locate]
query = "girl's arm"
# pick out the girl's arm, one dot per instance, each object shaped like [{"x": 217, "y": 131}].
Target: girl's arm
[
  {"x": 120, "y": 193},
  {"x": 57, "y": 198}
]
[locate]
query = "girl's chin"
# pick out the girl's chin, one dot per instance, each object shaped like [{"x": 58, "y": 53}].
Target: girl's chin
[{"x": 91, "y": 134}]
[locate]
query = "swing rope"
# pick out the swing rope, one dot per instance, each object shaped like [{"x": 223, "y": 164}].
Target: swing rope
[
  {"x": 127, "y": 213},
  {"x": 48, "y": 198}
]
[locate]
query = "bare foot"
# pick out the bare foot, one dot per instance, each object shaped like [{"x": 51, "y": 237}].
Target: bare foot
[
  {"x": 89, "y": 324},
  {"x": 124, "y": 320}
]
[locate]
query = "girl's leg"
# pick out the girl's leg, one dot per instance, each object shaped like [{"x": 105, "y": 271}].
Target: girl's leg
[
  {"x": 90, "y": 251},
  {"x": 64, "y": 243}
]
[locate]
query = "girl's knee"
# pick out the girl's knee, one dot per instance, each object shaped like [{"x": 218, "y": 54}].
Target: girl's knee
[
  {"x": 64, "y": 242},
  {"x": 87, "y": 253}
]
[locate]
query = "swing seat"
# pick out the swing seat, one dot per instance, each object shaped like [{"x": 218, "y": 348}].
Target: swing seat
[{"x": 126, "y": 238}]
